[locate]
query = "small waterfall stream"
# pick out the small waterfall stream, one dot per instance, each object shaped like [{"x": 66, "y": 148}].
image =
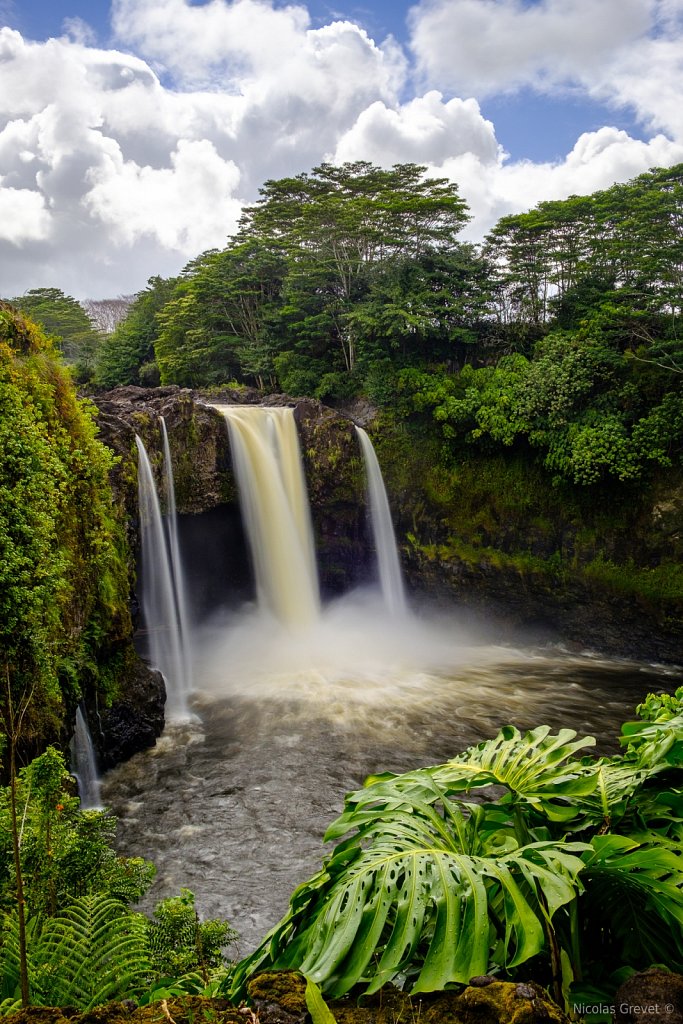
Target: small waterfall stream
[
  {"x": 176, "y": 565},
  {"x": 389, "y": 567},
  {"x": 84, "y": 765},
  {"x": 160, "y": 596},
  {"x": 274, "y": 501}
]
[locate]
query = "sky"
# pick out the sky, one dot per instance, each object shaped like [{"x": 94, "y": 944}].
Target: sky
[{"x": 132, "y": 133}]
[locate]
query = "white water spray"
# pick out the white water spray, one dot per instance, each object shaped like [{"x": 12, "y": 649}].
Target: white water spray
[
  {"x": 267, "y": 462},
  {"x": 159, "y": 595},
  {"x": 389, "y": 567},
  {"x": 85, "y": 765}
]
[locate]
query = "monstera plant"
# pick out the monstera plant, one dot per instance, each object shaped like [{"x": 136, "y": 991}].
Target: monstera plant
[{"x": 428, "y": 887}]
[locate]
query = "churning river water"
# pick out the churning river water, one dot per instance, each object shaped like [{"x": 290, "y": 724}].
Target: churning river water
[{"x": 233, "y": 804}]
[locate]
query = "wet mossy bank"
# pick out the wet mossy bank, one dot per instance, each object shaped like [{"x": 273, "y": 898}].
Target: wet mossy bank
[
  {"x": 65, "y": 622},
  {"x": 279, "y": 998},
  {"x": 596, "y": 567}
]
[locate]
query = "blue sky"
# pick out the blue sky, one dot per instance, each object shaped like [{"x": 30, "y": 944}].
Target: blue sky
[{"x": 132, "y": 132}]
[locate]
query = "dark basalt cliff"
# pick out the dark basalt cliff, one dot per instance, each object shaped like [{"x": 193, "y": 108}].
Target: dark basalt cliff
[{"x": 518, "y": 570}]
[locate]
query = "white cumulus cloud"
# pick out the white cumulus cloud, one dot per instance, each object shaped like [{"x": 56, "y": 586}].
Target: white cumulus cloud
[
  {"x": 119, "y": 163},
  {"x": 23, "y": 216},
  {"x": 485, "y": 46},
  {"x": 188, "y": 206},
  {"x": 424, "y": 130}
]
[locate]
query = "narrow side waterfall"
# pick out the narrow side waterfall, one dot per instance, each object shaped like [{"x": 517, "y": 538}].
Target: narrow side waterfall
[
  {"x": 159, "y": 594},
  {"x": 274, "y": 501},
  {"x": 84, "y": 765},
  {"x": 389, "y": 567},
  {"x": 177, "y": 574}
]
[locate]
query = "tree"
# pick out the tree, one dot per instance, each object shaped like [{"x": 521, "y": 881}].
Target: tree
[
  {"x": 422, "y": 309},
  {"x": 107, "y": 314},
  {"x": 64, "y": 320},
  {"x": 336, "y": 223},
  {"x": 222, "y": 320},
  {"x": 127, "y": 356}
]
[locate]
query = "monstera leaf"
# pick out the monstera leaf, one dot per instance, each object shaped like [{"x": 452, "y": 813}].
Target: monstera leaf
[
  {"x": 406, "y": 896},
  {"x": 541, "y": 777},
  {"x": 426, "y": 889},
  {"x": 538, "y": 770},
  {"x": 634, "y": 895}
]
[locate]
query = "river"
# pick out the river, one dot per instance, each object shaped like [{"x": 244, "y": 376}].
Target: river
[{"x": 233, "y": 804}]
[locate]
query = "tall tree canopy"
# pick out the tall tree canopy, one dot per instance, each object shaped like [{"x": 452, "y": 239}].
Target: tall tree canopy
[
  {"x": 336, "y": 223},
  {"x": 299, "y": 294},
  {"x": 64, "y": 320}
]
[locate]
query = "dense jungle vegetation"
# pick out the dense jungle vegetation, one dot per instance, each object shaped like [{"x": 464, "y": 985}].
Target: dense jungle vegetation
[
  {"x": 560, "y": 334},
  {"x": 64, "y": 588}
]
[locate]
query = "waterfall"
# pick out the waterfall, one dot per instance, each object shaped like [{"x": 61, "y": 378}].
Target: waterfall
[
  {"x": 84, "y": 765},
  {"x": 390, "y": 578},
  {"x": 160, "y": 601},
  {"x": 177, "y": 574},
  {"x": 274, "y": 501}
]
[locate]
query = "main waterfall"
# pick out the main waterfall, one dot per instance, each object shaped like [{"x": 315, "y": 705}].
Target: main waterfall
[{"x": 272, "y": 488}]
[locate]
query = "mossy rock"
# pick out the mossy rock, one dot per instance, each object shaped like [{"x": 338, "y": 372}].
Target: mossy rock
[
  {"x": 181, "y": 1010},
  {"x": 489, "y": 1002},
  {"x": 286, "y": 989}
]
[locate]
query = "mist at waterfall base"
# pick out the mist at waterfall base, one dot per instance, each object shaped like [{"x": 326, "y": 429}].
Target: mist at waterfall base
[{"x": 294, "y": 715}]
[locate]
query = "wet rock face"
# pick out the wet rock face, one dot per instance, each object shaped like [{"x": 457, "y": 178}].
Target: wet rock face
[
  {"x": 572, "y": 612},
  {"x": 135, "y": 720},
  {"x": 198, "y": 442},
  {"x": 336, "y": 487},
  {"x": 654, "y": 996}
]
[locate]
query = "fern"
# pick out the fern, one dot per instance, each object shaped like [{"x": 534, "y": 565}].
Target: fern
[{"x": 96, "y": 950}]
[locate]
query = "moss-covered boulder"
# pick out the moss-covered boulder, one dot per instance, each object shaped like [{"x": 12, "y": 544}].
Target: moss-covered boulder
[{"x": 488, "y": 1002}]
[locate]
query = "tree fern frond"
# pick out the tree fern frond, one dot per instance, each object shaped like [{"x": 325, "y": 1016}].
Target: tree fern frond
[{"x": 95, "y": 951}]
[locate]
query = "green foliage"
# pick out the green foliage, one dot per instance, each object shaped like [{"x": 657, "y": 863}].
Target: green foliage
[
  {"x": 84, "y": 944},
  {"x": 65, "y": 853},
  {"x": 427, "y": 888},
  {"x": 181, "y": 943},
  {"x": 63, "y": 573},
  {"x": 317, "y": 1007},
  {"x": 65, "y": 321},
  {"x": 94, "y": 951},
  {"x": 572, "y": 400},
  {"x": 127, "y": 355}
]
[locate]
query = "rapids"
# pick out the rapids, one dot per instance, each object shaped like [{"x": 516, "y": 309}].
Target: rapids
[{"x": 235, "y": 807}]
